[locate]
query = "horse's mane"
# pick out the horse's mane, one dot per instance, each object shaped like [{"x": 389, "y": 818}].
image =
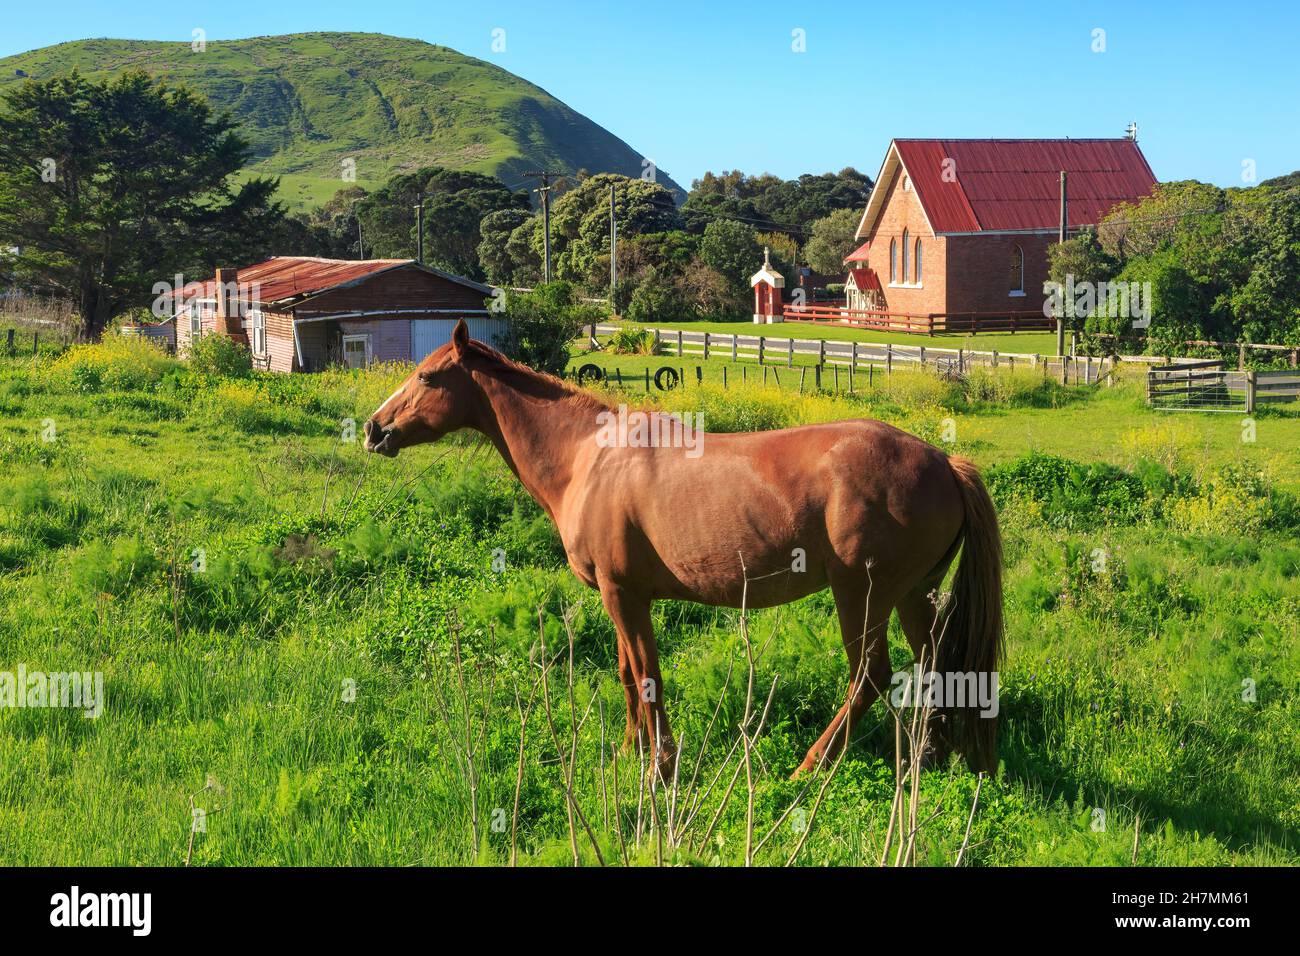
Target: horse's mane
[{"x": 532, "y": 382}]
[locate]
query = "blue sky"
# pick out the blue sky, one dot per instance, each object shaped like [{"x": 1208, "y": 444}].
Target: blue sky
[{"x": 717, "y": 85}]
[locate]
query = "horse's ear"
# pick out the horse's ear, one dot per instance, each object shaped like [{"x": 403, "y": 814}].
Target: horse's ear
[{"x": 460, "y": 339}]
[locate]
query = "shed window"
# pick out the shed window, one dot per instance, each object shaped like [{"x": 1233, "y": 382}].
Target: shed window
[
  {"x": 893, "y": 261},
  {"x": 905, "y": 254},
  {"x": 1017, "y": 270},
  {"x": 258, "y": 321},
  {"x": 196, "y": 320},
  {"x": 918, "y": 262}
]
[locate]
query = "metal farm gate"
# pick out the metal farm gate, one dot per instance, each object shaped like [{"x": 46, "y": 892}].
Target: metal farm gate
[{"x": 1204, "y": 386}]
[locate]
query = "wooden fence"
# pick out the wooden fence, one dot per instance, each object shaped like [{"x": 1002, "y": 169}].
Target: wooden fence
[
  {"x": 773, "y": 350},
  {"x": 1206, "y": 386}
]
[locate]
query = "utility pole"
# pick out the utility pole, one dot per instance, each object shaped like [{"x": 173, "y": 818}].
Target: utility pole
[
  {"x": 545, "y": 190},
  {"x": 1060, "y": 319},
  {"x": 419, "y": 228},
  {"x": 613, "y": 253},
  {"x": 361, "y": 248}
]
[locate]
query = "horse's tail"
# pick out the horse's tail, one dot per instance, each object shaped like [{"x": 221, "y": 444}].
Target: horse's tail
[{"x": 971, "y": 640}]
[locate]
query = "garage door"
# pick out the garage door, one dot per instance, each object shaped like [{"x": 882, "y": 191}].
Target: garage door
[{"x": 429, "y": 334}]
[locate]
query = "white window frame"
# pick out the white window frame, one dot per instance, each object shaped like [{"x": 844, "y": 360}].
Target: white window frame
[
  {"x": 363, "y": 337},
  {"x": 257, "y": 324},
  {"x": 196, "y": 321}
]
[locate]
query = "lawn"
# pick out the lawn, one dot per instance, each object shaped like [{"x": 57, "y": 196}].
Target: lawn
[{"x": 298, "y": 639}]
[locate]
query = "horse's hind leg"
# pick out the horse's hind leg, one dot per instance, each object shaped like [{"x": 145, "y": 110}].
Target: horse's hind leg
[
  {"x": 864, "y": 630},
  {"x": 919, "y": 618}
]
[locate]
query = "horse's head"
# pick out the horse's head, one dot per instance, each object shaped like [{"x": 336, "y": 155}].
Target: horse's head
[{"x": 437, "y": 398}]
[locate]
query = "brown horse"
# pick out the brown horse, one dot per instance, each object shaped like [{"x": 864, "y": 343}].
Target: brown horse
[{"x": 762, "y": 518}]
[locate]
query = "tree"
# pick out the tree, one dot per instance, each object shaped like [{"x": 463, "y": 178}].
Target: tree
[
  {"x": 455, "y": 203},
  {"x": 833, "y": 238},
  {"x": 109, "y": 187},
  {"x": 494, "y": 254},
  {"x": 543, "y": 323},
  {"x": 770, "y": 203},
  {"x": 732, "y": 249},
  {"x": 580, "y": 224}
]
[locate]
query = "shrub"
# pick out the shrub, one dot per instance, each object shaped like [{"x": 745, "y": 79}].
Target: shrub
[
  {"x": 219, "y": 356},
  {"x": 541, "y": 325},
  {"x": 1071, "y": 495},
  {"x": 633, "y": 340},
  {"x": 119, "y": 363}
]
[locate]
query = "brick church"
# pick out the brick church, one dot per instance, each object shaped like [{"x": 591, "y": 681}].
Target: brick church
[{"x": 962, "y": 226}]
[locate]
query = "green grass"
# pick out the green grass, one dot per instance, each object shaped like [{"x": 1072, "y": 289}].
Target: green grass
[
  {"x": 324, "y": 569},
  {"x": 307, "y": 101}
]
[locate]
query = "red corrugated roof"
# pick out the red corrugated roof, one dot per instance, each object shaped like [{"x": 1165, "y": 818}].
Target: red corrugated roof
[
  {"x": 865, "y": 279},
  {"x": 292, "y": 277},
  {"x": 859, "y": 254},
  {"x": 1007, "y": 184}
]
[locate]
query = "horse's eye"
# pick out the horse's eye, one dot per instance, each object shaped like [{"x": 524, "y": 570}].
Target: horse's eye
[{"x": 425, "y": 378}]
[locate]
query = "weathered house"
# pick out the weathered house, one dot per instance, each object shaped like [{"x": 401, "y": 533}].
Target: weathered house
[
  {"x": 960, "y": 228},
  {"x": 300, "y": 314}
]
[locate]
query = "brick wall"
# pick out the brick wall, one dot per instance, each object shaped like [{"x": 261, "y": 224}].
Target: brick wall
[
  {"x": 902, "y": 210},
  {"x": 979, "y": 272}
]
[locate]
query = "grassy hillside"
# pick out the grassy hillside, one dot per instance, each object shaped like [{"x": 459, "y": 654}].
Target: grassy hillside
[
  {"x": 308, "y": 682},
  {"x": 307, "y": 101}
]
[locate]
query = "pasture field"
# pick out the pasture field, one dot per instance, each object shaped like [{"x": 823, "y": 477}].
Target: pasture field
[{"x": 335, "y": 657}]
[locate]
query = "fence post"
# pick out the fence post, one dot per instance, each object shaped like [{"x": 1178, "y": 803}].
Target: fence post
[
  {"x": 821, "y": 352},
  {"x": 889, "y": 357},
  {"x": 1074, "y": 344},
  {"x": 789, "y": 361},
  {"x": 706, "y": 346},
  {"x": 733, "y": 348},
  {"x": 922, "y": 348},
  {"x": 803, "y": 374},
  {"x": 995, "y": 358},
  {"x": 1250, "y": 392},
  {"x": 961, "y": 361},
  {"x": 1241, "y": 356},
  {"x": 724, "y": 377},
  {"x": 760, "y": 351},
  {"x": 853, "y": 362}
]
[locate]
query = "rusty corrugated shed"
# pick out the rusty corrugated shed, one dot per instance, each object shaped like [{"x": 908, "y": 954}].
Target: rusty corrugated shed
[{"x": 1014, "y": 184}]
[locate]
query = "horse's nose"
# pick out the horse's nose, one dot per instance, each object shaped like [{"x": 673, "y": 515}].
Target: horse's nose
[{"x": 369, "y": 428}]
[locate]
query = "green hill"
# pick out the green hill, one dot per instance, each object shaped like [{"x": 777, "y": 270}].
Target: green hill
[{"x": 308, "y": 101}]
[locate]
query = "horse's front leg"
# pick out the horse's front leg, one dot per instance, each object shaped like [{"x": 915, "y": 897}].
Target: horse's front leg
[
  {"x": 631, "y": 616},
  {"x": 628, "y": 680}
]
